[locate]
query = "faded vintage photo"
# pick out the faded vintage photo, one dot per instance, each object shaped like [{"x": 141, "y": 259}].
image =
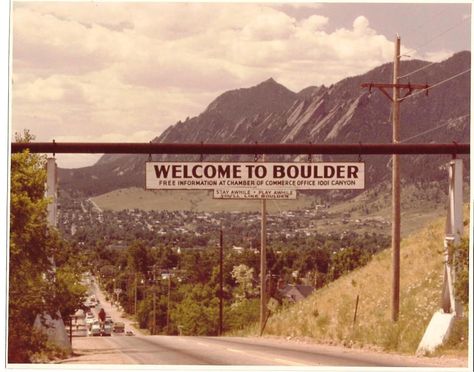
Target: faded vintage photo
[{"x": 239, "y": 184}]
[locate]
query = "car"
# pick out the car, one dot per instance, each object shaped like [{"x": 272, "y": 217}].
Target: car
[
  {"x": 89, "y": 319},
  {"x": 108, "y": 318},
  {"x": 107, "y": 329},
  {"x": 79, "y": 330},
  {"x": 129, "y": 333},
  {"x": 95, "y": 329},
  {"x": 119, "y": 327}
]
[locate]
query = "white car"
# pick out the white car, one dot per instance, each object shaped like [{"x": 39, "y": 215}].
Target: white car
[
  {"x": 95, "y": 329},
  {"x": 89, "y": 319}
]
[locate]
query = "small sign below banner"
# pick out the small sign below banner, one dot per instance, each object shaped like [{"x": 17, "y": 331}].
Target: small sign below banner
[{"x": 254, "y": 194}]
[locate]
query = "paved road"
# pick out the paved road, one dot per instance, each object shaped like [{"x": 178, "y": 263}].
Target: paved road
[
  {"x": 236, "y": 351},
  {"x": 115, "y": 313},
  {"x": 182, "y": 350}
]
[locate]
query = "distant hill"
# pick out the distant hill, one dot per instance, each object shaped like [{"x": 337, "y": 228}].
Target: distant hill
[{"x": 340, "y": 113}]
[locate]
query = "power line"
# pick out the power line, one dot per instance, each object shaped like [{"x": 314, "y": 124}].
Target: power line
[
  {"x": 433, "y": 129},
  {"x": 442, "y": 33},
  {"x": 438, "y": 84},
  {"x": 429, "y": 41},
  {"x": 418, "y": 15},
  {"x": 419, "y": 69}
]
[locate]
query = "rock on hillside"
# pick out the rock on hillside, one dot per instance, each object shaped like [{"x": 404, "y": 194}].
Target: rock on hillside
[{"x": 340, "y": 113}]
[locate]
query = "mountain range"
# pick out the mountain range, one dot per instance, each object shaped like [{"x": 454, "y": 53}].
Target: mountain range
[{"x": 341, "y": 113}]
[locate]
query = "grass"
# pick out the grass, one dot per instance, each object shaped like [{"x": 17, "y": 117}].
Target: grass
[
  {"x": 191, "y": 200},
  {"x": 416, "y": 210},
  {"x": 327, "y": 315}
]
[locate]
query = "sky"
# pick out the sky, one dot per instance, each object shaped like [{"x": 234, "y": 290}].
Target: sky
[{"x": 107, "y": 71}]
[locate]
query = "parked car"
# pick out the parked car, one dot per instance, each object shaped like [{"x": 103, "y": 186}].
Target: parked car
[
  {"x": 119, "y": 327},
  {"x": 80, "y": 330},
  {"x": 95, "y": 329}
]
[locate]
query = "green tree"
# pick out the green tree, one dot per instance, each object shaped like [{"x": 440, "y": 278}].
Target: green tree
[
  {"x": 242, "y": 313},
  {"x": 138, "y": 257},
  {"x": 460, "y": 253},
  {"x": 243, "y": 276},
  {"x": 36, "y": 284},
  {"x": 197, "y": 313},
  {"x": 346, "y": 260}
]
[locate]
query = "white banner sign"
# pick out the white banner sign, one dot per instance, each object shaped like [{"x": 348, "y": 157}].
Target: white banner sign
[
  {"x": 254, "y": 175},
  {"x": 254, "y": 194}
]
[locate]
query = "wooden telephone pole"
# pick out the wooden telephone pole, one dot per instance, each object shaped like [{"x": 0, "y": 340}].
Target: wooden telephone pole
[
  {"x": 396, "y": 100},
  {"x": 263, "y": 263},
  {"x": 221, "y": 281}
]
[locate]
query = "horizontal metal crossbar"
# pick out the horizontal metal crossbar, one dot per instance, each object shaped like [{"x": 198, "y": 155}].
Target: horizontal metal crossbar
[
  {"x": 401, "y": 86},
  {"x": 229, "y": 148}
]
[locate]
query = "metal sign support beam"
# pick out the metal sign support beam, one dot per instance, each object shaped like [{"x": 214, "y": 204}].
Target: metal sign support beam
[
  {"x": 454, "y": 232},
  {"x": 239, "y": 149},
  {"x": 52, "y": 191}
]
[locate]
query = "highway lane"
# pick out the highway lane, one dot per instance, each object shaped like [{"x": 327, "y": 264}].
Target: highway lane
[{"x": 237, "y": 351}]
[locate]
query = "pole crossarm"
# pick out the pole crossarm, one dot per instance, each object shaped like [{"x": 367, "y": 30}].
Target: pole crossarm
[
  {"x": 409, "y": 88},
  {"x": 239, "y": 149}
]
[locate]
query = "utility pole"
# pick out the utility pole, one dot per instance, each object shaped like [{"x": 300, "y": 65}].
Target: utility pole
[
  {"x": 154, "y": 300},
  {"x": 396, "y": 187},
  {"x": 113, "y": 296},
  {"x": 221, "y": 280},
  {"x": 263, "y": 262},
  {"x": 168, "y": 307},
  {"x": 396, "y": 220},
  {"x": 136, "y": 289}
]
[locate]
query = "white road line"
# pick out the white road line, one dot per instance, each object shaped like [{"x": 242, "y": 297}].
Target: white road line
[
  {"x": 235, "y": 350},
  {"x": 258, "y": 355},
  {"x": 288, "y": 362}
]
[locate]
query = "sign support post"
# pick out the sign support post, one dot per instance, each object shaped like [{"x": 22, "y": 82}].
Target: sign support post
[
  {"x": 52, "y": 191},
  {"x": 263, "y": 263}
]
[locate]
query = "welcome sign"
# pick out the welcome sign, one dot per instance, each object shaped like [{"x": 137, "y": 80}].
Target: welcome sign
[{"x": 254, "y": 175}]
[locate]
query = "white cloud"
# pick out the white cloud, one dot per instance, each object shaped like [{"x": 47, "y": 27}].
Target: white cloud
[
  {"x": 129, "y": 70},
  {"x": 437, "y": 56},
  {"x": 314, "y": 23},
  {"x": 299, "y": 5}
]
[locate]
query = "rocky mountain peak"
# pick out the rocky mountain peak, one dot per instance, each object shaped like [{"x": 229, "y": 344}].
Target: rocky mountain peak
[
  {"x": 268, "y": 96},
  {"x": 341, "y": 113}
]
